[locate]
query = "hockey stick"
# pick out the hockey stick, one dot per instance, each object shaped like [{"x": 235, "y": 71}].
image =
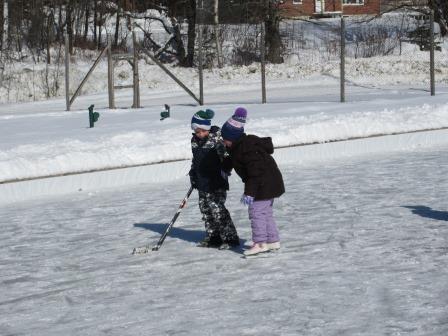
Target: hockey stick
[{"x": 146, "y": 249}]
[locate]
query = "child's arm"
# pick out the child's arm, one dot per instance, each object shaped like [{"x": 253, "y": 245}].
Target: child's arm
[
  {"x": 192, "y": 175},
  {"x": 220, "y": 147},
  {"x": 224, "y": 157},
  {"x": 192, "y": 172},
  {"x": 227, "y": 165}
]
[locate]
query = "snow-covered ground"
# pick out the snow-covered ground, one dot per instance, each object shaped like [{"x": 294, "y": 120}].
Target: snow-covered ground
[
  {"x": 41, "y": 138},
  {"x": 364, "y": 253}
]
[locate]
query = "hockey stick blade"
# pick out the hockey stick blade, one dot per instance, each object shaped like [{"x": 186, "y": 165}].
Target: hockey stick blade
[
  {"x": 141, "y": 250},
  {"x": 144, "y": 249}
]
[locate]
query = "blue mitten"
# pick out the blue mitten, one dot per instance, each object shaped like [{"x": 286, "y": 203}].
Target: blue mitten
[{"x": 247, "y": 200}]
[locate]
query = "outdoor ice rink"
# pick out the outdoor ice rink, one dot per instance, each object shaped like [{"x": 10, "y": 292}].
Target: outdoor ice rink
[{"x": 365, "y": 252}]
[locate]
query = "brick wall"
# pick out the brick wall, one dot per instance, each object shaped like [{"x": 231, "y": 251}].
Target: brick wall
[
  {"x": 369, "y": 7},
  {"x": 307, "y": 8},
  {"x": 288, "y": 9}
]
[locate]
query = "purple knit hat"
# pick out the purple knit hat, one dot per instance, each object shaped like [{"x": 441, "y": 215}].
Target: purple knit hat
[{"x": 233, "y": 128}]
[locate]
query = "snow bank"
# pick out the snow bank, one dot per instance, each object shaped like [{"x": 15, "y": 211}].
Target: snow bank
[
  {"x": 166, "y": 172},
  {"x": 135, "y": 138}
]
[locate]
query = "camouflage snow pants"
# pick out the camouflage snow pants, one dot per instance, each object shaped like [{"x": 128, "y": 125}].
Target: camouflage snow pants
[{"x": 216, "y": 217}]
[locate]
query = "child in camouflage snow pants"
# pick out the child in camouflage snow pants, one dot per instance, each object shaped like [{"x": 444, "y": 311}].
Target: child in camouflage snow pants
[{"x": 207, "y": 177}]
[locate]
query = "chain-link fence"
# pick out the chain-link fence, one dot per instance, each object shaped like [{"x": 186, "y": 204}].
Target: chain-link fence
[
  {"x": 394, "y": 53},
  {"x": 312, "y": 52},
  {"x": 387, "y": 54},
  {"x": 240, "y": 45}
]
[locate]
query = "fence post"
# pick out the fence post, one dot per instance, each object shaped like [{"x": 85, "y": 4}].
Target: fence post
[
  {"x": 342, "y": 59},
  {"x": 136, "y": 103},
  {"x": 263, "y": 62},
  {"x": 110, "y": 75},
  {"x": 431, "y": 55},
  {"x": 67, "y": 74}
]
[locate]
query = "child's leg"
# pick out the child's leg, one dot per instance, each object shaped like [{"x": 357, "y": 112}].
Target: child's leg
[
  {"x": 206, "y": 208},
  {"x": 258, "y": 215},
  {"x": 221, "y": 218},
  {"x": 272, "y": 230}
]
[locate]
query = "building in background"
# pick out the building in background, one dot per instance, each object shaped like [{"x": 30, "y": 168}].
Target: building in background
[{"x": 329, "y": 8}]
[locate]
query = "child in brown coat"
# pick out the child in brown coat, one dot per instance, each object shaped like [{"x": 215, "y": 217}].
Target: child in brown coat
[{"x": 251, "y": 158}]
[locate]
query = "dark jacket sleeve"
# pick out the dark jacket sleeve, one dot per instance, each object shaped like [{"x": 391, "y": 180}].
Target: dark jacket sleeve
[
  {"x": 192, "y": 174},
  {"x": 227, "y": 165}
]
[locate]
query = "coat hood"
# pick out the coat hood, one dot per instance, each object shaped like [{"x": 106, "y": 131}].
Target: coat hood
[{"x": 250, "y": 141}]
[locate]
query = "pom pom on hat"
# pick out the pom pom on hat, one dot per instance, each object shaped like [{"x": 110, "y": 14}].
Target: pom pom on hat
[
  {"x": 233, "y": 128},
  {"x": 202, "y": 119},
  {"x": 240, "y": 114}
]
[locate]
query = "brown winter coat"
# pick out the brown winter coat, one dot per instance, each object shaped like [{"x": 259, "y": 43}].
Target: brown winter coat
[{"x": 251, "y": 159}]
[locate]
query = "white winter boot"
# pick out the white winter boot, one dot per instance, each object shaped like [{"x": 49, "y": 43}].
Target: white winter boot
[
  {"x": 273, "y": 246},
  {"x": 257, "y": 248}
]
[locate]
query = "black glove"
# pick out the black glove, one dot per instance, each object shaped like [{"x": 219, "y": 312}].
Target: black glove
[
  {"x": 193, "y": 182},
  {"x": 192, "y": 179}
]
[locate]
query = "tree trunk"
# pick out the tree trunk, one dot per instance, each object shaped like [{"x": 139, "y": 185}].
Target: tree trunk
[
  {"x": 440, "y": 14},
  {"x": 69, "y": 23},
  {"x": 3, "y": 15},
  {"x": 86, "y": 22},
  {"x": 100, "y": 25},
  {"x": 117, "y": 25},
  {"x": 216, "y": 26},
  {"x": 49, "y": 22},
  {"x": 177, "y": 43},
  {"x": 95, "y": 21},
  {"x": 191, "y": 19},
  {"x": 15, "y": 19},
  {"x": 60, "y": 31},
  {"x": 273, "y": 40}
]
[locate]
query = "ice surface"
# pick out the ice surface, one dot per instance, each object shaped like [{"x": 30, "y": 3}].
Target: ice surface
[{"x": 365, "y": 252}]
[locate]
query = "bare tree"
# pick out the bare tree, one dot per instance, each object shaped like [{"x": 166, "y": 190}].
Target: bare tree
[
  {"x": 170, "y": 16},
  {"x": 216, "y": 32},
  {"x": 440, "y": 14},
  {"x": 440, "y": 8},
  {"x": 178, "y": 10},
  {"x": 3, "y": 20},
  {"x": 117, "y": 22},
  {"x": 273, "y": 40}
]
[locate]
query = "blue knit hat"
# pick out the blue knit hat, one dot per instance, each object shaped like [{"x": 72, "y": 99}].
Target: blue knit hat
[
  {"x": 202, "y": 119},
  {"x": 233, "y": 128}
]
